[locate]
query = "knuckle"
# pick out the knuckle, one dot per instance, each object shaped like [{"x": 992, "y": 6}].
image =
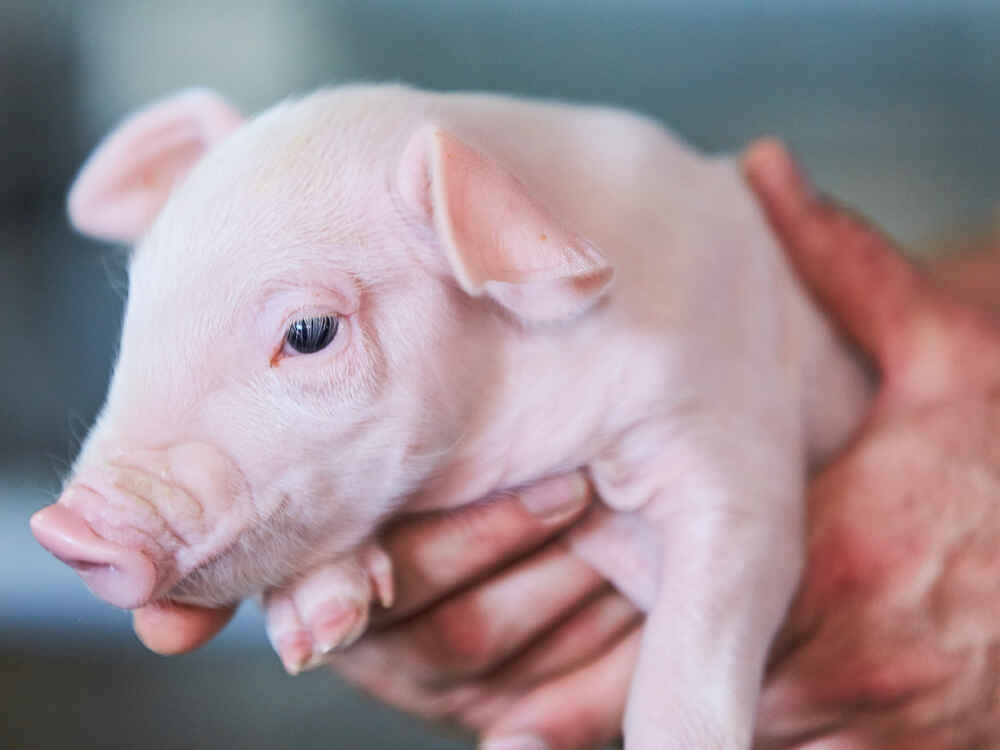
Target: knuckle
[
  {"x": 488, "y": 527},
  {"x": 390, "y": 683},
  {"x": 457, "y": 638},
  {"x": 885, "y": 682},
  {"x": 851, "y": 561}
]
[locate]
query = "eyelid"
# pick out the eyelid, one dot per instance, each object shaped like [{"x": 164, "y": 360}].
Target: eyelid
[
  {"x": 345, "y": 296},
  {"x": 310, "y": 311},
  {"x": 285, "y": 302}
]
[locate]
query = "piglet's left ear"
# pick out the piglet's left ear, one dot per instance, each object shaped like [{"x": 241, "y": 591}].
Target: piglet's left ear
[
  {"x": 498, "y": 240},
  {"x": 127, "y": 180}
]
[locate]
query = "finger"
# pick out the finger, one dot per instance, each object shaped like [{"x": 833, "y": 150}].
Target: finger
[
  {"x": 434, "y": 556},
  {"x": 168, "y": 628},
  {"x": 846, "y": 667},
  {"x": 582, "y": 636},
  {"x": 470, "y": 632},
  {"x": 856, "y": 272},
  {"x": 582, "y": 709},
  {"x": 972, "y": 275},
  {"x": 586, "y": 633}
]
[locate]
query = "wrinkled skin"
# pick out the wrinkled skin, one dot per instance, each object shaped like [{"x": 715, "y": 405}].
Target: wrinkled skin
[{"x": 892, "y": 641}]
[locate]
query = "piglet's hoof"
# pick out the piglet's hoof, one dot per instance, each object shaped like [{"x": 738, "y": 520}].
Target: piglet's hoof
[{"x": 327, "y": 609}]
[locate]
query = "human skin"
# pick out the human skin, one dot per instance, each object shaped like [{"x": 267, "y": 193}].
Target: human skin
[
  {"x": 972, "y": 271},
  {"x": 890, "y": 641}
]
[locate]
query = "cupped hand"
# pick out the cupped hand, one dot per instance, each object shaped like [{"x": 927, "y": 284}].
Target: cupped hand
[
  {"x": 894, "y": 638},
  {"x": 499, "y": 624},
  {"x": 494, "y": 625}
]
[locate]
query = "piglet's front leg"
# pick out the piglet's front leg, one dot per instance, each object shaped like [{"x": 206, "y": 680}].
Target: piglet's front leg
[
  {"x": 327, "y": 608},
  {"x": 725, "y": 511}
]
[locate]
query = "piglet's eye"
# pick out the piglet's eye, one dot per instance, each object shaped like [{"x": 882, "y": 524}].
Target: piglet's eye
[{"x": 310, "y": 335}]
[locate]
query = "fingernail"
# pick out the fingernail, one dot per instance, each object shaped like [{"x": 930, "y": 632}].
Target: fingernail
[
  {"x": 554, "y": 499},
  {"x": 794, "y": 173},
  {"x": 515, "y": 742},
  {"x": 774, "y": 164}
]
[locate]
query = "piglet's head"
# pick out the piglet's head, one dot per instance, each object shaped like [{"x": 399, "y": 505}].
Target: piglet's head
[{"x": 316, "y": 302}]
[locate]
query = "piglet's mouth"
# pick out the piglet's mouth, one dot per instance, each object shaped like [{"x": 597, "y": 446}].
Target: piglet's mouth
[{"x": 83, "y": 566}]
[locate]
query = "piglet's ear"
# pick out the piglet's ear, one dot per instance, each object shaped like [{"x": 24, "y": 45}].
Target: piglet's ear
[
  {"x": 498, "y": 240},
  {"x": 126, "y": 181}
]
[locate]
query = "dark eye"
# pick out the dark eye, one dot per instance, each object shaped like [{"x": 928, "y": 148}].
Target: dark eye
[{"x": 309, "y": 335}]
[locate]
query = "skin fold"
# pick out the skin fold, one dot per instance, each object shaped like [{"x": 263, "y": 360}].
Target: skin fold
[{"x": 890, "y": 641}]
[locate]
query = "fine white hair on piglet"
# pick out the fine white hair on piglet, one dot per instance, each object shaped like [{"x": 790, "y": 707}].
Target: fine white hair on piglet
[{"x": 520, "y": 289}]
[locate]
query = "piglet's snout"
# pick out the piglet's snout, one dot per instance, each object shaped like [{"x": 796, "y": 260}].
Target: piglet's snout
[
  {"x": 120, "y": 576},
  {"x": 132, "y": 523}
]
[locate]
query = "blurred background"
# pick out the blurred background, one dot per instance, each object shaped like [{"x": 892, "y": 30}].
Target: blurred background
[{"x": 894, "y": 106}]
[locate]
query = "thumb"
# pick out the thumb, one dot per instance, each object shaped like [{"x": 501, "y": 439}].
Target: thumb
[
  {"x": 168, "y": 628},
  {"x": 855, "y": 271}
]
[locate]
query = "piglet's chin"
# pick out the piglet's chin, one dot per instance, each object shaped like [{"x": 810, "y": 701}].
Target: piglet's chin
[{"x": 120, "y": 576}]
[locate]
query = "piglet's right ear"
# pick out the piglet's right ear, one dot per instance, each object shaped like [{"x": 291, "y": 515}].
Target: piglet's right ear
[{"x": 126, "y": 181}]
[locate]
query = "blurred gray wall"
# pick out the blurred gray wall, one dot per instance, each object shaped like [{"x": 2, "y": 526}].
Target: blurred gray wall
[{"x": 895, "y": 106}]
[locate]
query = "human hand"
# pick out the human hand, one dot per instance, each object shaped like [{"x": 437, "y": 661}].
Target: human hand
[
  {"x": 496, "y": 626},
  {"x": 500, "y": 629},
  {"x": 892, "y": 641},
  {"x": 169, "y": 628},
  {"x": 971, "y": 270}
]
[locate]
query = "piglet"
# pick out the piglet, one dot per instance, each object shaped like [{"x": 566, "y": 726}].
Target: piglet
[{"x": 376, "y": 300}]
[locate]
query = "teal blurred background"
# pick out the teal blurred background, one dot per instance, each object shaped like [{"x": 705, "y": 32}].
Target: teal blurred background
[{"x": 895, "y": 107}]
